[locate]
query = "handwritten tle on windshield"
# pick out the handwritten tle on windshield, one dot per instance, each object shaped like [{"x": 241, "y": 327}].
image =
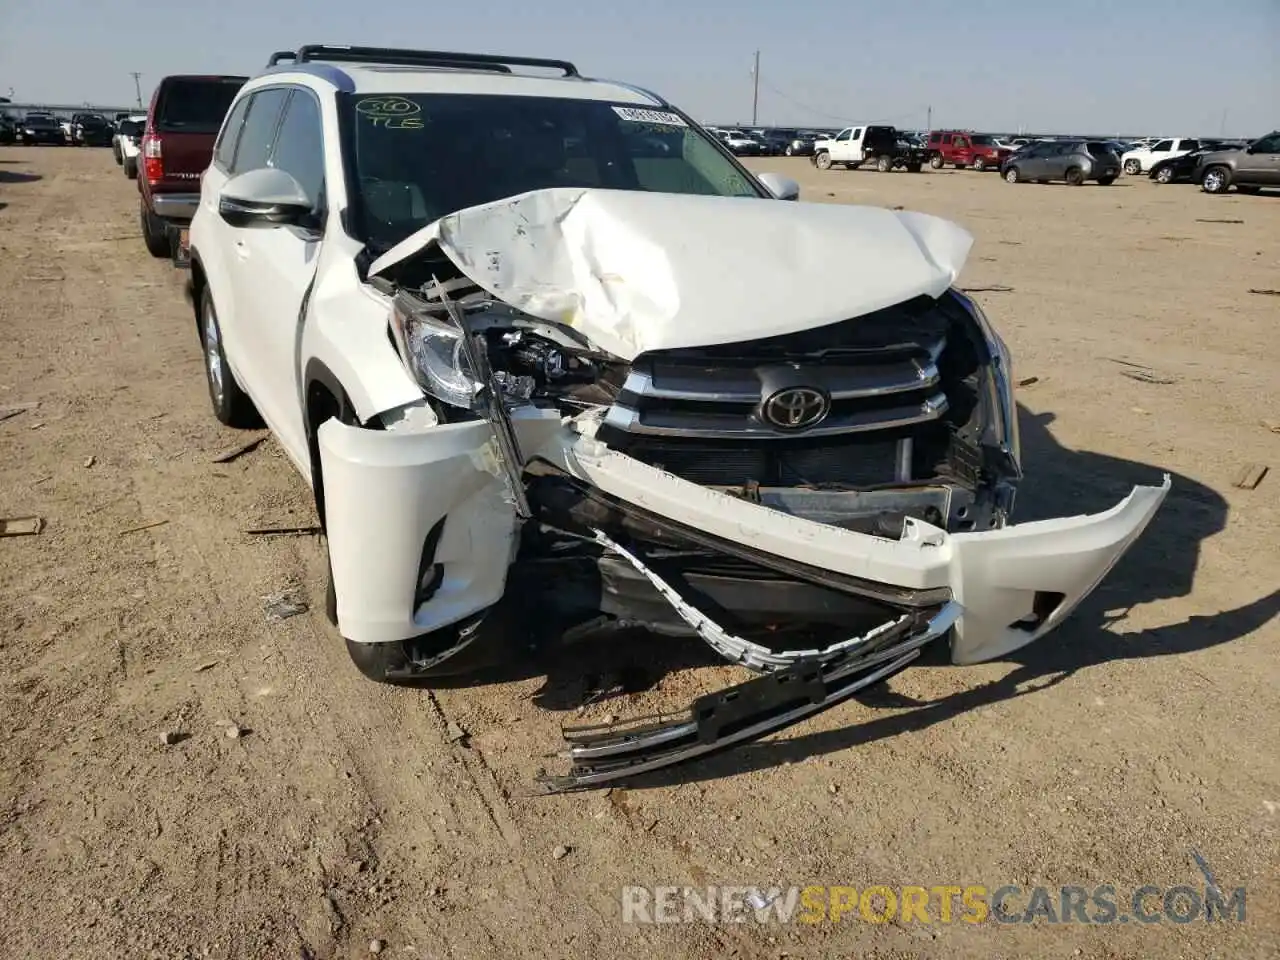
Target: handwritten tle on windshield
[{"x": 391, "y": 113}]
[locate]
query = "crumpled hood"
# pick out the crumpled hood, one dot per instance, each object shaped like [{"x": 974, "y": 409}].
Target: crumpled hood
[{"x": 635, "y": 271}]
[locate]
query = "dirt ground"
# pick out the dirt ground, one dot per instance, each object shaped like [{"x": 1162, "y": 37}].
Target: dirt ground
[{"x": 347, "y": 812}]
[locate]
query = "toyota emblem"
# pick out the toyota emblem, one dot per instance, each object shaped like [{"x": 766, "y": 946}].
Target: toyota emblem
[{"x": 796, "y": 408}]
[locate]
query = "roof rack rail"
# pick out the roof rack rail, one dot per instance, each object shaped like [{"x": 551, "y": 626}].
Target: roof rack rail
[
  {"x": 425, "y": 58},
  {"x": 281, "y": 55}
]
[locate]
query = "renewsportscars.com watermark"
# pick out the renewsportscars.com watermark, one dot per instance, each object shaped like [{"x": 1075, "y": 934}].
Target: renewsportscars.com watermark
[{"x": 937, "y": 904}]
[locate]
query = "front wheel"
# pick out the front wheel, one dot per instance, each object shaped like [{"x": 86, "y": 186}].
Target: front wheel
[
  {"x": 936, "y": 162},
  {"x": 1074, "y": 176},
  {"x": 789, "y": 152},
  {"x": 231, "y": 405},
  {"x": 822, "y": 161},
  {"x": 115, "y": 152},
  {"x": 1132, "y": 167},
  {"x": 980, "y": 164},
  {"x": 1012, "y": 175},
  {"x": 131, "y": 167},
  {"x": 1164, "y": 175},
  {"x": 884, "y": 163},
  {"x": 1216, "y": 180}
]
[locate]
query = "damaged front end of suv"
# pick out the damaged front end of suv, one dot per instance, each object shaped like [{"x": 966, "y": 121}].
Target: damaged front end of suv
[{"x": 776, "y": 427}]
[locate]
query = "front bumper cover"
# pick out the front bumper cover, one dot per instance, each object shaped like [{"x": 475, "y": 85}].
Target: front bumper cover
[{"x": 993, "y": 591}]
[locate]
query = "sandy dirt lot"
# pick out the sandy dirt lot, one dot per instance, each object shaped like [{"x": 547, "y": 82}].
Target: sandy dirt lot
[{"x": 345, "y": 812}]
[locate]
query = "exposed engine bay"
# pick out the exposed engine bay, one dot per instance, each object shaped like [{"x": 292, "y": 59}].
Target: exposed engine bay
[{"x": 814, "y": 477}]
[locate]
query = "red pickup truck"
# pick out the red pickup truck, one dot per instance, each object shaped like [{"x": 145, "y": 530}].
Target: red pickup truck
[
  {"x": 183, "y": 121},
  {"x": 963, "y": 148}
]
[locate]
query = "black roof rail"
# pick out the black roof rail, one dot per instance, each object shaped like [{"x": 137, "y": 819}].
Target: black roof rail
[
  {"x": 281, "y": 55},
  {"x": 424, "y": 58}
]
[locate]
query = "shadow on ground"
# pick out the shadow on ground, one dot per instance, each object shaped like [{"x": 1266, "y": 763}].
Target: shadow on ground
[{"x": 9, "y": 176}]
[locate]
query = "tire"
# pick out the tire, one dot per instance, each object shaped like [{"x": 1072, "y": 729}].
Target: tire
[
  {"x": 1216, "y": 180},
  {"x": 980, "y": 164},
  {"x": 1012, "y": 175},
  {"x": 936, "y": 162},
  {"x": 130, "y": 167},
  {"x": 1132, "y": 167},
  {"x": 789, "y": 152},
  {"x": 884, "y": 163},
  {"x": 1106, "y": 181},
  {"x": 822, "y": 160},
  {"x": 231, "y": 405},
  {"x": 1074, "y": 176},
  {"x": 115, "y": 152},
  {"x": 154, "y": 233},
  {"x": 1164, "y": 175}
]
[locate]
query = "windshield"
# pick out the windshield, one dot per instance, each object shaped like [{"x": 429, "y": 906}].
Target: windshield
[{"x": 420, "y": 157}]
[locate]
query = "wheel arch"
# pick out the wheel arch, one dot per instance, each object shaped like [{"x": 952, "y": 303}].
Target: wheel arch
[{"x": 324, "y": 398}]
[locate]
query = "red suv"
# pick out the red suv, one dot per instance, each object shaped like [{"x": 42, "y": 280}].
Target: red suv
[
  {"x": 182, "y": 123},
  {"x": 964, "y": 148}
]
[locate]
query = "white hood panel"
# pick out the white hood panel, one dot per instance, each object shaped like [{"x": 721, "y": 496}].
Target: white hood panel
[{"x": 635, "y": 271}]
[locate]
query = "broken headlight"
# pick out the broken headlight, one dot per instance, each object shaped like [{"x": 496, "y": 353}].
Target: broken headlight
[
  {"x": 1004, "y": 431},
  {"x": 435, "y": 352}
]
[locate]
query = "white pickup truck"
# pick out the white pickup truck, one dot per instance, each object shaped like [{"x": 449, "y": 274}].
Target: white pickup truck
[
  {"x": 125, "y": 143},
  {"x": 1143, "y": 159},
  {"x": 882, "y": 145}
]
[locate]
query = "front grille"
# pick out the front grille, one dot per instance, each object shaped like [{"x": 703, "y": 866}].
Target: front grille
[
  {"x": 705, "y": 413},
  {"x": 854, "y": 461}
]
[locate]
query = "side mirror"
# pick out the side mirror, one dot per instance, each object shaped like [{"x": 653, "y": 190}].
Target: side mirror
[
  {"x": 783, "y": 188},
  {"x": 264, "y": 197}
]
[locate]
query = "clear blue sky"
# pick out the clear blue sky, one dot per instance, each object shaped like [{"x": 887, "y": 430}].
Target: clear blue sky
[{"x": 1131, "y": 66}]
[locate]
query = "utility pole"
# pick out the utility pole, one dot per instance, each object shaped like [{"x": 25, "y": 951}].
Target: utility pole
[
  {"x": 928, "y": 123},
  {"x": 137, "y": 87},
  {"x": 755, "y": 93}
]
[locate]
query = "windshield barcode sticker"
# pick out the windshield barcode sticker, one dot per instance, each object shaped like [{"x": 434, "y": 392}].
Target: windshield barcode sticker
[{"x": 662, "y": 117}]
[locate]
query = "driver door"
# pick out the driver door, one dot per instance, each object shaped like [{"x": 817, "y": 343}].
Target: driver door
[
  {"x": 275, "y": 263},
  {"x": 1259, "y": 164},
  {"x": 841, "y": 147},
  {"x": 962, "y": 151}
]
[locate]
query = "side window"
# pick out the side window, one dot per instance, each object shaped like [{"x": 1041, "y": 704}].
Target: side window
[
  {"x": 856, "y": 134},
  {"x": 226, "y": 147},
  {"x": 299, "y": 148},
  {"x": 960, "y": 143},
  {"x": 1269, "y": 144},
  {"x": 259, "y": 130},
  {"x": 1163, "y": 146},
  {"x": 845, "y": 134},
  {"x": 1189, "y": 145}
]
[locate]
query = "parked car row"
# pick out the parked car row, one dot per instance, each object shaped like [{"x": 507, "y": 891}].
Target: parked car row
[
  {"x": 39, "y": 127},
  {"x": 469, "y": 448}
]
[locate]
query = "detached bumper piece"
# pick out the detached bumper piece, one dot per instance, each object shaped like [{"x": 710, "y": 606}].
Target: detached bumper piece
[{"x": 748, "y": 711}]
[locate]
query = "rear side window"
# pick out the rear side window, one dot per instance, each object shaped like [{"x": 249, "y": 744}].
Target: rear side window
[
  {"x": 300, "y": 144},
  {"x": 1098, "y": 149},
  {"x": 195, "y": 104},
  {"x": 259, "y": 129},
  {"x": 1189, "y": 145},
  {"x": 1162, "y": 146},
  {"x": 225, "y": 150}
]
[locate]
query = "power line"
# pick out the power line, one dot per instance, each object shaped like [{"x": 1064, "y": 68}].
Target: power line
[{"x": 843, "y": 119}]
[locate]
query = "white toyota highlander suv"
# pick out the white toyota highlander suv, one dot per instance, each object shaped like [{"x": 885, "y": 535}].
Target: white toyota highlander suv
[{"x": 538, "y": 339}]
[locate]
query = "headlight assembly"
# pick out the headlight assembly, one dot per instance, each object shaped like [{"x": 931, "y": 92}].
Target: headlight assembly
[
  {"x": 435, "y": 353},
  {"x": 1005, "y": 429}
]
